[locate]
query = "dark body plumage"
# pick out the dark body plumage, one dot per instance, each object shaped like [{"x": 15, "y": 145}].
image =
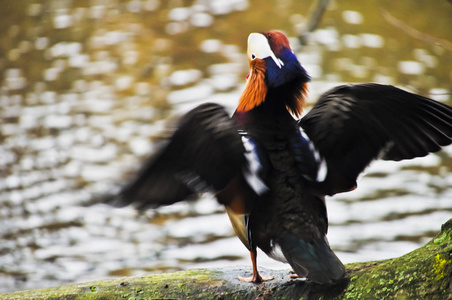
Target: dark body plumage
[
  {"x": 288, "y": 215},
  {"x": 272, "y": 172}
]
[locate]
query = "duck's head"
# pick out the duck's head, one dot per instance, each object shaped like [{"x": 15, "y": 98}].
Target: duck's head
[{"x": 273, "y": 66}]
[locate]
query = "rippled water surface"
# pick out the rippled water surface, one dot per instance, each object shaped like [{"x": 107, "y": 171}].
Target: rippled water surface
[{"x": 87, "y": 88}]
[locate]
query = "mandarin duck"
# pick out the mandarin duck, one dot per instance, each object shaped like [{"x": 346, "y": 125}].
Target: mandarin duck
[{"x": 272, "y": 171}]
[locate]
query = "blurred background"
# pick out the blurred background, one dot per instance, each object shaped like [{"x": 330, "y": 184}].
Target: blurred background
[{"x": 86, "y": 88}]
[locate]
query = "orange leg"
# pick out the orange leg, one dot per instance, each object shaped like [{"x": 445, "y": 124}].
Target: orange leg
[{"x": 256, "y": 278}]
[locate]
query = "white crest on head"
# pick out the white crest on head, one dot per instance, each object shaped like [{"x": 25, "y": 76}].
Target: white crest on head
[{"x": 258, "y": 47}]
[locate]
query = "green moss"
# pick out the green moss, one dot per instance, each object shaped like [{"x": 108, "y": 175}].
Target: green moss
[
  {"x": 405, "y": 277},
  {"x": 443, "y": 238},
  {"x": 190, "y": 283}
]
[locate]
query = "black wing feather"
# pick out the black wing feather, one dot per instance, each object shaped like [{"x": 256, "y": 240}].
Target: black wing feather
[
  {"x": 352, "y": 125},
  {"x": 204, "y": 154}
]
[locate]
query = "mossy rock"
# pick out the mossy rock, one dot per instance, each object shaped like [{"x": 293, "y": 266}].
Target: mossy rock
[{"x": 425, "y": 273}]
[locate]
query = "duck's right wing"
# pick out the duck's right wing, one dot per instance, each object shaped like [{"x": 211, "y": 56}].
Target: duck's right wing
[{"x": 352, "y": 125}]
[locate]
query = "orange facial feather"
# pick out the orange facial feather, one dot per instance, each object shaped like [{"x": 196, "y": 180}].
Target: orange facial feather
[{"x": 255, "y": 89}]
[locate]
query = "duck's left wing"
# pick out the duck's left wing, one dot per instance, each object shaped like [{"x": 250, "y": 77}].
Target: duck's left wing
[
  {"x": 205, "y": 153},
  {"x": 352, "y": 125}
]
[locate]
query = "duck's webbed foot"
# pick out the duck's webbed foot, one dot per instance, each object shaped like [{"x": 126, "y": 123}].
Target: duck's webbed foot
[{"x": 256, "y": 278}]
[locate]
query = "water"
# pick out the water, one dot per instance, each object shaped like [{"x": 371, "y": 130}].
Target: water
[{"x": 88, "y": 86}]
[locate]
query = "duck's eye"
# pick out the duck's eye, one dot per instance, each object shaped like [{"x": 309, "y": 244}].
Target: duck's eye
[{"x": 253, "y": 56}]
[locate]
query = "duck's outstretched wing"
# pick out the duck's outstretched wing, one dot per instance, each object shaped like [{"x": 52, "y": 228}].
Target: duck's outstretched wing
[
  {"x": 204, "y": 154},
  {"x": 352, "y": 125}
]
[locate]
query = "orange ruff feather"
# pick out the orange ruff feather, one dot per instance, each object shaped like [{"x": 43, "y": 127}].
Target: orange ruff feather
[
  {"x": 256, "y": 89},
  {"x": 298, "y": 102}
]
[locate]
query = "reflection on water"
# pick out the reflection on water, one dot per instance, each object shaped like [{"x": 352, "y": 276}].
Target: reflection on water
[{"x": 87, "y": 86}]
